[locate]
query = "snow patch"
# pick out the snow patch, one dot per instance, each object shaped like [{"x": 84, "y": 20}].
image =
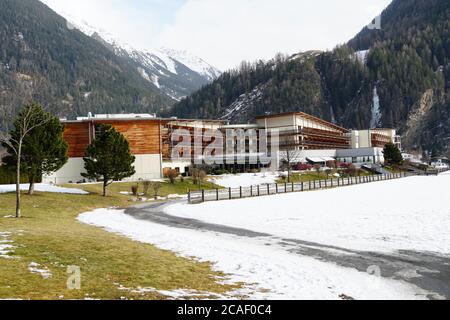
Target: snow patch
[
  {"x": 362, "y": 55},
  {"x": 194, "y": 63},
  {"x": 171, "y": 294},
  {"x": 6, "y": 247},
  {"x": 244, "y": 179},
  {"x": 243, "y": 103},
  {"x": 37, "y": 269},
  {"x": 41, "y": 187},
  {"x": 405, "y": 214},
  {"x": 273, "y": 272}
]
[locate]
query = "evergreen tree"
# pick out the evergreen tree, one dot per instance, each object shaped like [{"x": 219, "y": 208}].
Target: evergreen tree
[
  {"x": 29, "y": 119},
  {"x": 44, "y": 150},
  {"x": 392, "y": 154},
  {"x": 108, "y": 158}
]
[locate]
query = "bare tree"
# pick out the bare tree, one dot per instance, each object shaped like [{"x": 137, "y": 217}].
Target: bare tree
[
  {"x": 317, "y": 167},
  {"x": 24, "y": 124},
  {"x": 290, "y": 153},
  {"x": 156, "y": 186}
]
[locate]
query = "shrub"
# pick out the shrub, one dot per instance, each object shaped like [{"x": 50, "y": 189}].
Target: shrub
[
  {"x": 156, "y": 186},
  {"x": 317, "y": 167},
  {"x": 9, "y": 176},
  {"x": 134, "y": 190},
  {"x": 344, "y": 165},
  {"x": 331, "y": 164},
  {"x": 351, "y": 170},
  {"x": 172, "y": 174},
  {"x": 219, "y": 172},
  {"x": 146, "y": 187},
  {"x": 304, "y": 167},
  {"x": 198, "y": 175}
]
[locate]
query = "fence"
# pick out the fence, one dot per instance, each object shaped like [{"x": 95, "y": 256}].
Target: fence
[{"x": 277, "y": 188}]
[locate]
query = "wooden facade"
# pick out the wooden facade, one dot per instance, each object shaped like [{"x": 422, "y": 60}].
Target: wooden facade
[
  {"x": 76, "y": 134},
  {"x": 143, "y": 135},
  {"x": 379, "y": 140}
]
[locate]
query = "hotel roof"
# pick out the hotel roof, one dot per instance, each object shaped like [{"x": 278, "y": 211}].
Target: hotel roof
[
  {"x": 306, "y": 116},
  {"x": 134, "y": 117}
]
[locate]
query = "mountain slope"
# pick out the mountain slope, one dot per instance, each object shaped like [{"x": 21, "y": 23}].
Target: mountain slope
[
  {"x": 42, "y": 59},
  {"x": 394, "y": 77},
  {"x": 173, "y": 72}
]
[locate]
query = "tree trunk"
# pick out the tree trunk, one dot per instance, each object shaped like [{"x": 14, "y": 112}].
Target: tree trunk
[
  {"x": 105, "y": 184},
  {"x": 289, "y": 173},
  {"x": 31, "y": 188},
  {"x": 18, "y": 181}
]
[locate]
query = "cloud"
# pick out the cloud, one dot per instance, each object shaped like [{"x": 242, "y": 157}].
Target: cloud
[
  {"x": 136, "y": 22},
  {"x": 227, "y": 32}
]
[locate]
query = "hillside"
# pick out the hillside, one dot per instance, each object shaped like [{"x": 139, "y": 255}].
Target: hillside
[
  {"x": 175, "y": 73},
  {"x": 394, "y": 77},
  {"x": 41, "y": 58}
]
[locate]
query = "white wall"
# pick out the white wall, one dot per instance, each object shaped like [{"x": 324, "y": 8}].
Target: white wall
[
  {"x": 177, "y": 164},
  {"x": 363, "y": 139},
  {"x": 71, "y": 171},
  {"x": 147, "y": 166}
]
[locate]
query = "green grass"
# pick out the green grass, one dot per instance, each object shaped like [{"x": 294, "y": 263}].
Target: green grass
[
  {"x": 313, "y": 176},
  {"x": 167, "y": 188},
  {"x": 50, "y": 235},
  {"x": 393, "y": 170}
]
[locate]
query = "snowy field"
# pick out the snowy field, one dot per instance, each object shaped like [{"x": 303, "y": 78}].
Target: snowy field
[
  {"x": 411, "y": 214},
  {"x": 41, "y": 187},
  {"x": 245, "y": 179},
  {"x": 276, "y": 274}
]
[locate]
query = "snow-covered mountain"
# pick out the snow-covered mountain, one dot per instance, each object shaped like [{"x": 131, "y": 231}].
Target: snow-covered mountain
[{"x": 176, "y": 73}]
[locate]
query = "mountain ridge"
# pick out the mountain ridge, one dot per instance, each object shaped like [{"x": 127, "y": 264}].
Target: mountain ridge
[
  {"x": 69, "y": 73},
  {"x": 379, "y": 78},
  {"x": 176, "y": 73}
]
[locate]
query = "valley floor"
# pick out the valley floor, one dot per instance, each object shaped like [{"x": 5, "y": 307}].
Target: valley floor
[
  {"x": 383, "y": 240},
  {"x": 37, "y": 251}
]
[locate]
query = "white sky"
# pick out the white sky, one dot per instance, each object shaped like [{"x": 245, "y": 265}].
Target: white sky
[{"x": 225, "y": 32}]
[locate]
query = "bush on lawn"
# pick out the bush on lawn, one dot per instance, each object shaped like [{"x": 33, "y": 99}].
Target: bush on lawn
[
  {"x": 172, "y": 174},
  {"x": 304, "y": 167},
  {"x": 9, "y": 176}
]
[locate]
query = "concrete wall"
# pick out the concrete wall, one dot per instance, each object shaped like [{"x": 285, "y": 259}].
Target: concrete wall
[
  {"x": 292, "y": 122},
  {"x": 177, "y": 164},
  {"x": 361, "y": 139},
  {"x": 358, "y": 156},
  {"x": 361, "y": 155},
  {"x": 71, "y": 171},
  {"x": 282, "y": 123},
  {"x": 147, "y": 166}
]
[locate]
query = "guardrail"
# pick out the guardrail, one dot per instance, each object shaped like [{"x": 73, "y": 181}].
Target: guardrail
[{"x": 282, "y": 188}]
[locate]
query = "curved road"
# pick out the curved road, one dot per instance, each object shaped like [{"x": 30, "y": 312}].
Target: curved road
[{"x": 428, "y": 271}]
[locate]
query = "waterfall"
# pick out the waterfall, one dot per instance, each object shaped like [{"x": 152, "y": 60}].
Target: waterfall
[{"x": 376, "y": 110}]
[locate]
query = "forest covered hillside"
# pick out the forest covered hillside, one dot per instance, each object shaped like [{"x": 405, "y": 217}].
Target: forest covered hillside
[
  {"x": 397, "y": 76},
  {"x": 43, "y": 59}
]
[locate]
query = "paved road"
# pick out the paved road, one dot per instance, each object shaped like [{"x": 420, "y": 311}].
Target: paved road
[{"x": 430, "y": 272}]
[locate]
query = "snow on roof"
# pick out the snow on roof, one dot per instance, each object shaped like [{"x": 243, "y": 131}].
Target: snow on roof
[
  {"x": 320, "y": 159},
  {"x": 118, "y": 116}
]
